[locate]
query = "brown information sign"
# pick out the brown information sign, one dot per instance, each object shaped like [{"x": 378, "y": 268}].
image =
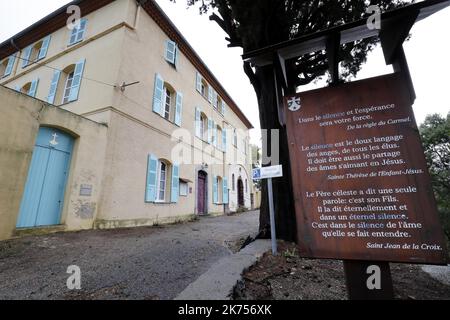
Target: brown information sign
[{"x": 361, "y": 185}]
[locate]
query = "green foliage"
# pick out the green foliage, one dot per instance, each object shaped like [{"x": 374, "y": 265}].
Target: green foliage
[
  {"x": 252, "y": 24},
  {"x": 290, "y": 253},
  {"x": 435, "y": 134}
]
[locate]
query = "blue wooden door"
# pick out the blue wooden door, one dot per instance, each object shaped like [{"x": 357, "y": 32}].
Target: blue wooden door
[{"x": 43, "y": 198}]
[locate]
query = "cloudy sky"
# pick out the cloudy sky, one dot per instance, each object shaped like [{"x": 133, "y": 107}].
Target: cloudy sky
[{"x": 427, "y": 53}]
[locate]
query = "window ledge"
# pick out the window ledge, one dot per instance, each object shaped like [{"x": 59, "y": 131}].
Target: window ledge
[
  {"x": 172, "y": 122},
  {"x": 75, "y": 43}
]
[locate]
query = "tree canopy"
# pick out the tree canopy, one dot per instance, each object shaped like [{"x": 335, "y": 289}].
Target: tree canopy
[
  {"x": 254, "y": 24},
  {"x": 435, "y": 133}
]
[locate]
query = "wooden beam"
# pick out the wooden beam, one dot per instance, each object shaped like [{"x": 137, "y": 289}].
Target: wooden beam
[
  {"x": 394, "y": 32},
  {"x": 333, "y": 46}
]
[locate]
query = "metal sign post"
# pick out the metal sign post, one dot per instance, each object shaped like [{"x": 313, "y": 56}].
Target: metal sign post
[
  {"x": 272, "y": 218},
  {"x": 269, "y": 173}
]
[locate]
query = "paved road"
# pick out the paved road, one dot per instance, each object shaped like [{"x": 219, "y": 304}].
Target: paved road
[{"x": 140, "y": 263}]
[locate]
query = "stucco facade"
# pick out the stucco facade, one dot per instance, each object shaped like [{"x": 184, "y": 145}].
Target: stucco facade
[
  {"x": 21, "y": 119},
  {"x": 123, "y": 43}
]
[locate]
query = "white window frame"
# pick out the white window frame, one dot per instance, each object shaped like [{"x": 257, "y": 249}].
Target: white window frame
[
  {"x": 66, "y": 94},
  {"x": 167, "y": 95},
  {"x": 159, "y": 181}
]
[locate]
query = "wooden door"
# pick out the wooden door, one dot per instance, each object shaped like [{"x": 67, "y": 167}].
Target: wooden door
[{"x": 201, "y": 194}]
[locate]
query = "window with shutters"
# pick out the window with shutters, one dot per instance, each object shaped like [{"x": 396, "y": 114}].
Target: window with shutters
[
  {"x": 30, "y": 88},
  {"x": 35, "y": 52},
  {"x": 205, "y": 89},
  {"x": 163, "y": 181},
  {"x": 171, "y": 53},
  {"x": 65, "y": 84},
  {"x": 34, "y": 56},
  {"x": 78, "y": 33},
  {"x": 167, "y": 102},
  {"x": 6, "y": 66},
  {"x": 235, "y": 138}
]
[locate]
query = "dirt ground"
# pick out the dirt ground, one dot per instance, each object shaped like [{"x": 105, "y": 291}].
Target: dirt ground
[
  {"x": 288, "y": 277},
  {"x": 146, "y": 263}
]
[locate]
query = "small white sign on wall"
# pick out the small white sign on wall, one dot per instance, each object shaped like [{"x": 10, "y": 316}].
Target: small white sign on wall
[{"x": 267, "y": 172}]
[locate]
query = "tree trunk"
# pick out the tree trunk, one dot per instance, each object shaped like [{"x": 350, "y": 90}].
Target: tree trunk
[{"x": 285, "y": 219}]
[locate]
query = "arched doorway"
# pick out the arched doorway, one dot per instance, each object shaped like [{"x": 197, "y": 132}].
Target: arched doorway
[
  {"x": 240, "y": 187},
  {"x": 202, "y": 188},
  {"x": 43, "y": 198}
]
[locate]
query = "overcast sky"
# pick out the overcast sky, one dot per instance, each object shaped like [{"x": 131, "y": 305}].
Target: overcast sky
[{"x": 427, "y": 53}]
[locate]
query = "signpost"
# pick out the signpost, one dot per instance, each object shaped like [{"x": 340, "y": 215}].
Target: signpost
[
  {"x": 361, "y": 185},
  {"x": 269, "y": 173},
  {"x": 362, "y": 189}
]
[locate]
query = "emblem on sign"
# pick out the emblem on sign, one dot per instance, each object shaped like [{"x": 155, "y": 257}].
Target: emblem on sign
[
  {"x": 294, "y": 104},
  {"x": 54, "y": 142}
]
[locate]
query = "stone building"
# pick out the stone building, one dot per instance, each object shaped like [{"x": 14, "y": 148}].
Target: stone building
[{"x": 115, "y": 123}]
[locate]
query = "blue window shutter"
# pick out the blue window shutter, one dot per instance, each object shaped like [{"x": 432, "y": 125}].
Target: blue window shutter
[
  {"x": 10, "y": 65},
  {"x": 77, "y": 76},
  {"x": 175, "y": 183},
  {"x": 225, "y": 191},
  {"x": 82, "y": 29},
  {"x": 171, "y": 49},
  {"x": 33, "y": 88},
  {"x": 215, "y": 138},
  {"x": 150, "y": 190},
  {"x": 215, "y": 190},
  {"x": 210, "y": 130},
  {"x": 197, "y": 123},
  {"x": 198, "y": 82},
  {"x": 26, "y": 56},
  {"x": 44, "y": 48},
  {"x": 210, "y": 94},
  {"x": 215, "y": 99},
  {"x": 53, "y": 86},
  {"x": 179, "y": 109},
  {"x": 177, "y": 56},
  {"x": 158, "y": 94},
  {"x": 223, "y": 108},
  {"x": 224, "y": 140},
  {"x": 73, "y": 36},
  {"x": 17, "y": 88}
]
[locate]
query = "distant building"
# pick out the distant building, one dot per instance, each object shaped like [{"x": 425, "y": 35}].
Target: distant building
[{"x": 125, "y": 173}]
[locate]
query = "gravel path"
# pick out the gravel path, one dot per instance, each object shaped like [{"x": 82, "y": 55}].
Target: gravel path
[{"x": 139, "y": 263}]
